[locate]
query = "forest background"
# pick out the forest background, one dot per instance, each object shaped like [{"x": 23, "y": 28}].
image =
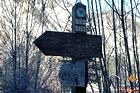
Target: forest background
[{"x": 24, "y": 69}]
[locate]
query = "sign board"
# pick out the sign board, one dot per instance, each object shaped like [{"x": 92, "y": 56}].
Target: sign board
[
  {"x": 79, "y": 17},
  {"x": 72, "y": 74},
  {"x": 69, "y": 44}
]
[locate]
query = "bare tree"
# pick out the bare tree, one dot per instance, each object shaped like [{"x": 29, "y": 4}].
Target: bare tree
[{"x": 21, "y": 23}]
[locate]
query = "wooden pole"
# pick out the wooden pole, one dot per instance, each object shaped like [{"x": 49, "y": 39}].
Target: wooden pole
[
  {"x": 81, "y": 89},
  {"x": 75, "y": 25},
  {"x": 78, "y": 89}
]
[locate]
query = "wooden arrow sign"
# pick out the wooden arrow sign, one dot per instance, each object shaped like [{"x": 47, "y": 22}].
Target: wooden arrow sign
[{"x": 69, "y": 44}]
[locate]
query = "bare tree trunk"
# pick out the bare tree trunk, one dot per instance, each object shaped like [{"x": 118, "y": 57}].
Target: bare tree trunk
[
  {"x": 106, "y": 81},
  {"x": 137, "y": 61},
  {"x": 98, "y": 19},
  {"x": 106, "y": 85},
  {"x": 15, "y": 51},
  {"x": 39, "y": 53},
  {"x": 104, "y": 38},
  {"x": 93, "y": 17},
  {"x": 97, "y": 77},
  {"x": 126, "y": 42},
  {"x": 27, "y": 50},
  {"x": 135, "y": 47},
  {"x": 115, "y": 43},
  {"x": 37, "y": 73}
]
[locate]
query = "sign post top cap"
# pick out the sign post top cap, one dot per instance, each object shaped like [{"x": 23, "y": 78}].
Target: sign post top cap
[{"x": 77, "y": 1}]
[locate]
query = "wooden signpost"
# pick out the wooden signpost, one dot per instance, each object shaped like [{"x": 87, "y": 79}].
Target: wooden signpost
[
  {"x": 75, "y": 45},
  {"x": 78, "y": 45},
  {"x": 69, "y": 44}
]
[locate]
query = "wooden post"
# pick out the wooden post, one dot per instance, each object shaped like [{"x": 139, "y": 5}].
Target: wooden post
[
  {"x": 79, "y": 21},
  {"x": 74, "y": 30},
  {"x": 81, "y": 89}
]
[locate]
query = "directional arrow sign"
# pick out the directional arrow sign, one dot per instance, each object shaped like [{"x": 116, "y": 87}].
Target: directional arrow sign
[{"x": 69, "y": 44}]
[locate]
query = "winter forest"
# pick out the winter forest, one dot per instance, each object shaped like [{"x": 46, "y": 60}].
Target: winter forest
[{"x": 25, "y": 69}]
